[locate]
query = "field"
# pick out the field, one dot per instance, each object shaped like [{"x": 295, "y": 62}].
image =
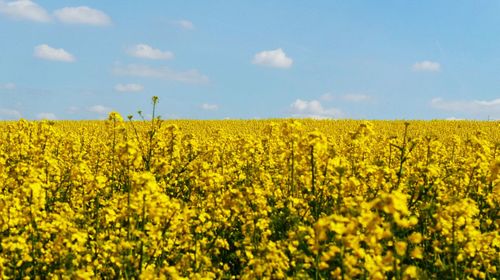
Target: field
[{"x": 259, "y": 199}]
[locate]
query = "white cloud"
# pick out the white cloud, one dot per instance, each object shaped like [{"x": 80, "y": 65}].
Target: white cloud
[
  {"x": 49, "y": 53},
  {"x": 491, "y": 103},
  {"x": 146, "y": 51},
  {"x": 273, "y": 58},
  {"x": 327, "y": 96},
  {"x": 426, "y": 66},
  {"x": 73, "y": 109},
  {"x": 9, "y": 114},
  {"x": 313, "y": 109},
  {"x": 8, "y": 86},
  {"x": 209, "y": 107},
  {"x": 99, "y": 109},
  {"x": 46, "y": 116},
  {"x": 82, "y": 15},
  {"x": 474, "y": 108},
  {"x": 24, "y": 10},
  {"x": 135, "y": 70},
  {"x": 129, "y": 87},
  {"x": 355, "y": 97},
  {"x": 184, "y": 24}
]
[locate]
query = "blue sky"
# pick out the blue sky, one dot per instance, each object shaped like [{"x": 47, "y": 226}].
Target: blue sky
[{"x": 250, "y": 59}]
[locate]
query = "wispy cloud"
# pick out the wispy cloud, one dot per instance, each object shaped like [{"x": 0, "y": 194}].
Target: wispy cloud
[
  {"x": 327, "y": 96},
  {"x": 73, "y": 109},
  {"x": 313, "y": 109},
  {"x": 46, "y": 116},
  {"x": 473, "y": 108},
  {"x": 426, "y": 66},
  {"x": 8, "y": 86},
  {"x": 274, "y": 58},
  {"x": 209, "y": 107},
  {"x": 9, "y": 114},
  {"x": 165, "y": 73},
  {"x": 99, "y": 109},
  {"x": 184, "y": 24},
  {"x": 47, "y": 52},
  {"x": 129, "y": 88},
  {"x": 24, "y": 10},
  {"x": 82, "y": 15},
  {"x": 146, "y": 51}
]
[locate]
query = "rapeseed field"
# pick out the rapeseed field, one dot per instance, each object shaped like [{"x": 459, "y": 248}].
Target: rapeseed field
[{"x": 254, "y": 199}]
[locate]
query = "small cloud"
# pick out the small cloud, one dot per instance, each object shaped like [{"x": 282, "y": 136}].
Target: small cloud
[
  {"x": 184, "y": 24},
  {"x": 9, "y": 114},
  {"x": 46, "y": 116},
  {"x": 477, "y": 108},
  {"x": 354, "y": 97},
  {"x": 327, "y": 97},
  {"x": 8, "y": 86},
  {"x": 129, "y": 88},
  {"x": 82, "y": 15},
  {"x": 491, "y": 103},
  {"x": 426, "y": 66},
  {"x": 134, "y": 70},
  {"x": 24, "y": 10},
  {"x": 146, "y": 51},
  {"x": 273, "y": 58},
  {"x": 209, "y": 107},
  {"x": 313, "y": 109},
  {"x": 73, "y": 109},
  {"x": 99, "y": 109},
  {"x": 49, "y": 53}
]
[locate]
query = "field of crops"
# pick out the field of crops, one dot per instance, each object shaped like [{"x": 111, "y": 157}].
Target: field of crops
[{"x": 255, "y": 199}]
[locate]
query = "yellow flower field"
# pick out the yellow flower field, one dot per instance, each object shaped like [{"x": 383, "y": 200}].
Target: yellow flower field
[{"x": 256, "y": 199}]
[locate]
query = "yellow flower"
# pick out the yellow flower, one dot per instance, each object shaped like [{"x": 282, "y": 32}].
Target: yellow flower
[
  {"x": 115, "y": 116},
  {"x": 417, "y": 253},
  {"x": 415, "y": 238},
  {"x": 401, "y": 247},
  {"x": 410, "y": 272}
]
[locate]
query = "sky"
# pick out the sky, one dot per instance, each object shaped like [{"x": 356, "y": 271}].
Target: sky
[{"x": 253, "y": 59}]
